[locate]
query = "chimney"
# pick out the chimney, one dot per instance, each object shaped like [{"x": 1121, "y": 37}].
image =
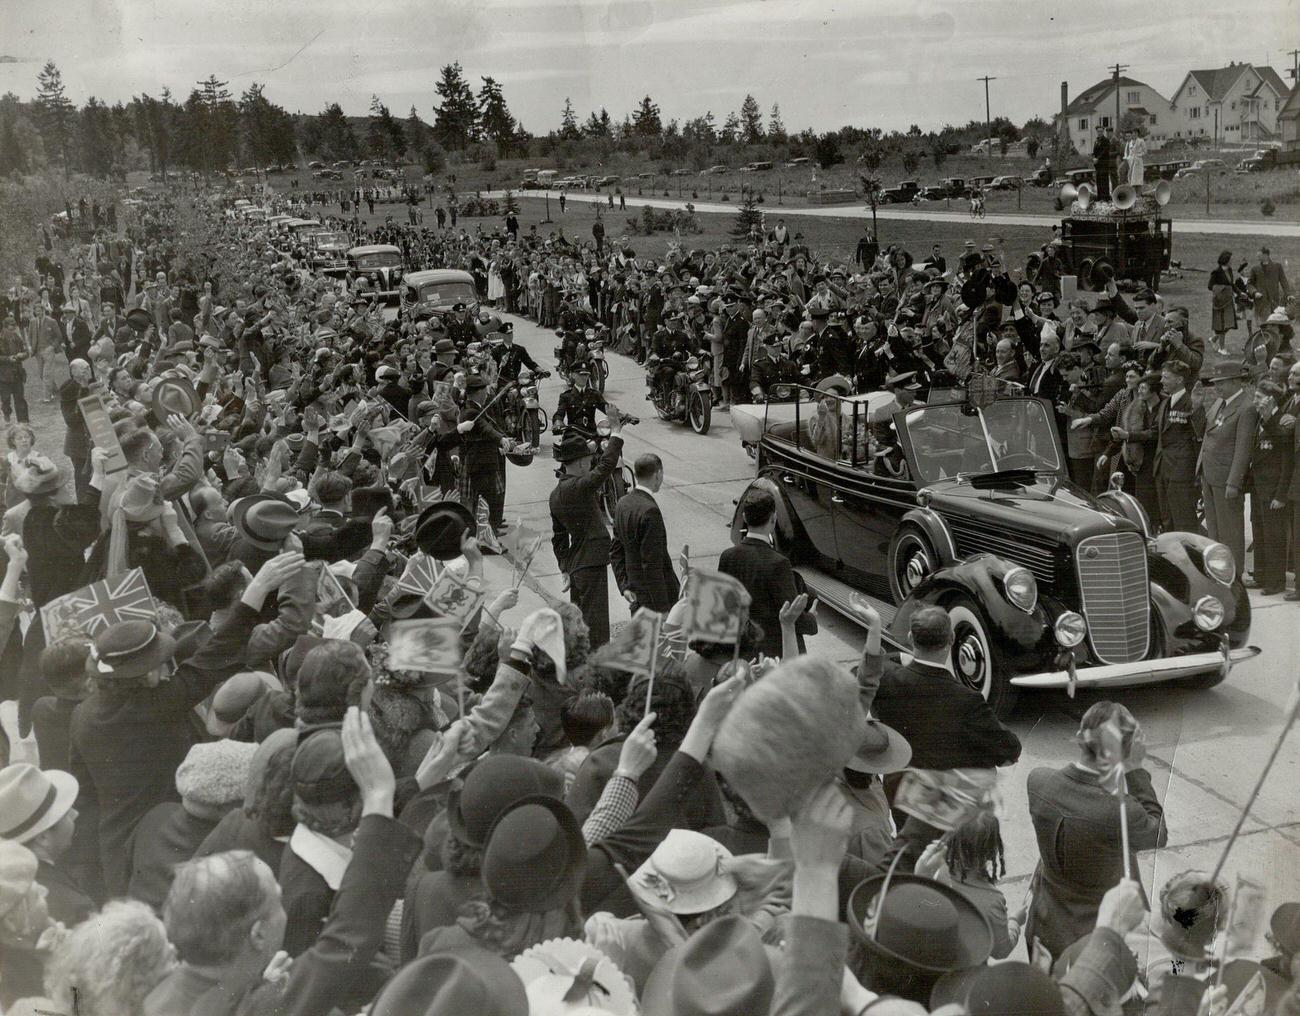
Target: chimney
[{"x": 1065, "y": 120}]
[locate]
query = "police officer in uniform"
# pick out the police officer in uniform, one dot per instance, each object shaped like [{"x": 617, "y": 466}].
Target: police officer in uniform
[
  {"x": 1268, "y": 480},
  {"x": 510, "y": 357},
  {"x": 459, "y": 326},
  {"x": 578, "y": 403},
  {"x": 770, "y": 367},
  {"x": 836, "y": 352},
  {"x": 1179, "y": 428},
  {"x": 580, "y": 539}
]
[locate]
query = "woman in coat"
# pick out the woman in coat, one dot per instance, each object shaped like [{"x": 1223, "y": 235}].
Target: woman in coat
[
  {"x": 1223, "y": 314},
  {"x": 1136, "y": 430}
]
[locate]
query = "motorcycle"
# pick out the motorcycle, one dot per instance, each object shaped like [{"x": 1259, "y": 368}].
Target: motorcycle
[
  {"x": 592, "y": 354},
  {"x": 686, "y": 395},
  {"x": 522, "y": 411}
]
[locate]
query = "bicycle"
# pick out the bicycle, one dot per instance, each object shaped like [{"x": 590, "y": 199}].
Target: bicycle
[{"x": 977, "y": 208}]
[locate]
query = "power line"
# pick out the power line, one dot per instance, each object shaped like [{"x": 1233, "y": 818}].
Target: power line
[
  {"x": 988, "y": 118},
  {"x": 1117, "y": 70}
]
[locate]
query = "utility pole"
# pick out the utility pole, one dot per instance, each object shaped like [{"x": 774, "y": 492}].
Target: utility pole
[
  {"x": 1116, "y": 71},
  {"x": 1295, "y": 66},
  {"x": 988, "y": 118}
]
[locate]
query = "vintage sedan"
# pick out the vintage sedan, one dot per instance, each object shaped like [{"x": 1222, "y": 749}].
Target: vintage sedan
[
  {"x": 434, "y": 291},
  {"x": 380, "y": 264},
  {"x": 327, "y": 252},
  {"x": 970, "y": 507}
]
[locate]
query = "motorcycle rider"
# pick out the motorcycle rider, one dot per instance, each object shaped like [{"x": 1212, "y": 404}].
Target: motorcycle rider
[
  {"x": 509, "y": 357},
  {"x": 672, "y": 346},
  {"x": 836, "y": 352},
  {"x": 770, "y": 367},
  {"x": 578, "y": 403}
]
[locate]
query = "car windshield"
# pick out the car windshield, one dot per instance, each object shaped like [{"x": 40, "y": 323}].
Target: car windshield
[
  {"x": 382, "y": 259},
  {"x": 332, "y": 241},
  {"x": 446, "y": 293},
  {"x": 955, "y": 440}
]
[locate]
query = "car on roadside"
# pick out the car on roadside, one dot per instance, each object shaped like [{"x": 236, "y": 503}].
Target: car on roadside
[
  {"x": 380, "y": 265},
  {"x": 955, "y": 186},
  {"x": 431, "y": 293},
  {"x": 965, "y": 502},
  {"x": 900, "y": 194},
  {"x": 608, "y": 181},
  {"x": 803, "y": 162},
  {"x": 933, "y": 193},
  {"x": 680, "y": 172},
  {"x": 715, "y": 171},
  {"x": 1005, "y": 183}
]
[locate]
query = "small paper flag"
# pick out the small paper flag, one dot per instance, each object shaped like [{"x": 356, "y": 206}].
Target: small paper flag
[
  {"x": 635, "y": 646},
  {"x": 451, "y": 596},
  {"x": 487, "y": 536},
  {"x": 717, "y": 607},
  {"x": 105, "y": 603},
  {"x": 431, "y": 645}
]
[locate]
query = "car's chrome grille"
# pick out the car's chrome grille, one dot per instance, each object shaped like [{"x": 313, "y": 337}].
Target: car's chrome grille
[
  {"x": 1115, "y": 596},
  {"x": 975, "y": 539}
]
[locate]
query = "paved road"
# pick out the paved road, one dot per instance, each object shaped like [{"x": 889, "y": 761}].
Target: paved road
[
  {"x": 1214, "y": 227},
  {"x": 1206, "y": 748}
]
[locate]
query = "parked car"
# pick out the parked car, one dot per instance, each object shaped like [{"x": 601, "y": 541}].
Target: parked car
[
  {"x": 607, "y": 181},
  {"x": 680, "y": 172},
  {"x": 315, "y": 164},
  {"x": 714, "y": 171},
  {"x": 900, "y": 194},
  {"x": 954, "y": 186},
  {"x": 803, "y": 162},
  {"x": 380, "y": 264},
  {"x": 327, "y": 252},
  {"x": 933, "y": 193},
  {"x": 1005, "y": 183},
  {"x": 966, "y": 503}
]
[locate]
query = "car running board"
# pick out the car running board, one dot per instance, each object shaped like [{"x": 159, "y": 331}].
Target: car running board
[{"x": 839, "y": 597}]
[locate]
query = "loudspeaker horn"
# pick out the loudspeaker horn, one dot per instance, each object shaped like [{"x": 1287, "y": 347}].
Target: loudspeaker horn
[
  {"x": 1086, "y": 194},
  {"x": 1124, "y": 197},
  {"x": 1069, "y": 192},
  {"x": 1163, "y": 192}
]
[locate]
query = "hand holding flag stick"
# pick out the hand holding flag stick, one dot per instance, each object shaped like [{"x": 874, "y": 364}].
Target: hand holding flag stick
[{"x": 1108, "y": 748}]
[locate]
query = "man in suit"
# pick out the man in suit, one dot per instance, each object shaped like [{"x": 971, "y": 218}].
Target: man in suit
[
  {"x": 639, "y": 553},
  {"x": 948, "y": 724},
  {"x": 580, "y": 539},
  {"x": 1077, "y": 826},
  {"x": 1045, "y": 382},
  {"x": 1102, "y": 158},
  {"x": 1268, "y": 285},
  {"x": 765, "y": 572},
  {"x": 1230, "y": 425},
  {"x": 1180, "y": 428}
]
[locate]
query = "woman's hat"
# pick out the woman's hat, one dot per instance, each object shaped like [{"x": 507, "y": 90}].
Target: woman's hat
[
  {"x": 319, "y": 769},
  {"x": 491, "y": 786},
  {"x": 453, "y": 981},
  {"x": 138, "y": 319},
  {"x": 1004, "y": 989},
  {"x": 884, "y": 750},
  {"x": 39, "y": 476},
  {"x": 535, "y": 856},
  {"x": 570, "y": 976},
  {"x": 215, "y": 773},
  {"x": 441, "y": 527},
  {"x": 33, "y": 800},
  {"x": 721, "y": 970},
  {"x": 922, "y": 924},
  {"x": 141, "y": 499},
  {"x": 264, "y": 520},
  {"x": 174, "y": 395},
  {"x": 129, "y": 649},
  {"x": 686, "y": 873},
  {"x": 1278, "y": 317}
]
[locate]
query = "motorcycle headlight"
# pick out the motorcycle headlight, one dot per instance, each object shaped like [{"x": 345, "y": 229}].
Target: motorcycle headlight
[
  {"x": 1070, "y": 629},
  {"x": 1021, "y": 588},
  {"x": 1220, "y": 564},
  {"x": 602, "y": 428},
  {"x": 1208, "y": 612}
]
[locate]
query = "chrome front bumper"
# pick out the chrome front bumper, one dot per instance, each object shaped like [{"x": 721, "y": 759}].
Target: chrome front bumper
[{"x": 1125, "y": 675}]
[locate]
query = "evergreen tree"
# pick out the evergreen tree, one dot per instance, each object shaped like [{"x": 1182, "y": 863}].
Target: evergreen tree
[
  {"x": 56, "y": 115},
  {"x": 379, "y": 134},
  {"x": 13, "y": 158},
  {"x": 569, "y": 122},
  {"x": 336, "y": 139},
  {"x": 645, "y": 121},
  {"x": 495, "y": 119},
  {"x": 266, "y": 130},
  {"x": 747, "y": 215},
  {"x": 730, "y": 132},
  {"x": 775, "y": 126},
  {"x": 510, "y": 205},
  {"x": 751, "y": 121},
  {"x": 417, "y": 137},
  {"x": 457, "y": 117},
  {"x": 220, "y": 127},
  {"x": 98, "y": 139}
]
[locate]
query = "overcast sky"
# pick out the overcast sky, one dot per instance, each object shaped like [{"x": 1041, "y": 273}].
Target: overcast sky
[{"x": 827, "y": 62}]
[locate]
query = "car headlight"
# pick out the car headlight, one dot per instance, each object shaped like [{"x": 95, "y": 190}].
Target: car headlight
[
  {"x": 1208, "y": 613},
  {"x": 1219, "y": 563},
  {"x": 1021, "y": 588},
  {"x": 1070, "y": 629}
]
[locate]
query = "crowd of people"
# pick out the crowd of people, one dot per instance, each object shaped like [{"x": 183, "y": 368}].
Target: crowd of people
[{"x": 263, "y": 785}]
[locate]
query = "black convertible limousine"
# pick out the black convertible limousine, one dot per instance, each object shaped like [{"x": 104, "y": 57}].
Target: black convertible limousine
[{"x": 970, "y": 506}]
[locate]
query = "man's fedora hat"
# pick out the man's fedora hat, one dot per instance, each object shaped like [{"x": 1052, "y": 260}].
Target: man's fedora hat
[
  {"x": 1225, "y": 370},
  {"x": 922, "y": 924},
  {"x": 441, "y": 527},
  {"x": 174, "y": 395},
  {"x": 535, "y": 856},
  {"x": 884, "y": 750},
  {"x": 32, "y": 800},
  {"x": 571, "y": 448},
  {"x": 264, "y": 520}
]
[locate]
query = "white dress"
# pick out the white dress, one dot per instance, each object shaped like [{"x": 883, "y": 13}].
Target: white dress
[
  {"x": 496, "y": 288},
  {"x": 1135, "y": 152}
]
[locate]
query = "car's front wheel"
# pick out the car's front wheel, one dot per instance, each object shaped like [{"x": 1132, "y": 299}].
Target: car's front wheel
[
  {"x": 976, "y": 659},
  {"x": 911, "y": 560}
]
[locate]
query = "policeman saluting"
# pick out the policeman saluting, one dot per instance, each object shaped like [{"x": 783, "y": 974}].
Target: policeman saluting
[{"x": 578, "y": 403}]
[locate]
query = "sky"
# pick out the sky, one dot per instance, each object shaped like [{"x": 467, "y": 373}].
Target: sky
[{"x": 826, "y": 62}]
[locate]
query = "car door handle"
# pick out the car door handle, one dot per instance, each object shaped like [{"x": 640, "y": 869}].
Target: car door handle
[
  {"x": 787, "y": 478},
  {"x": 836, "y": 499}
]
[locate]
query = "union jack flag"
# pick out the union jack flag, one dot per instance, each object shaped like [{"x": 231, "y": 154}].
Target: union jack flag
[
  {"x": 420, "y": 575},
  {"x": 105, "y": 603},
  {"x": 672, "y": 642},
  {"x": 487, "y": 536}
]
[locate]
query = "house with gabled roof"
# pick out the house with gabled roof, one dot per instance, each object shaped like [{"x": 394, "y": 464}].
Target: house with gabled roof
[
  {"x": 1095, "y": 108},
  {"x": 1237, "y": 104}
]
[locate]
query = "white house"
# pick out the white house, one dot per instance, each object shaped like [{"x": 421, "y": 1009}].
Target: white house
[
  {"x": 1237, "y": 104},
  {"x": 1094, "y": 108}
]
